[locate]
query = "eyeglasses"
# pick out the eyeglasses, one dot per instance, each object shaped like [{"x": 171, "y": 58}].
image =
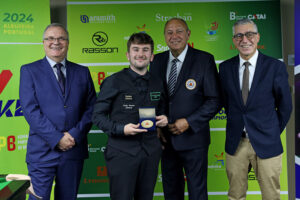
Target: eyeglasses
[
  {"x": 240, "y": 36},
  {"x": 52, "y": 39}
]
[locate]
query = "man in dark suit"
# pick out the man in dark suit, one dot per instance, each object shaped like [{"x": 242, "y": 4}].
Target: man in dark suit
[
  {"x": 190, "y": 78},
  {"x": 57, "y": 98},
  {"x": 133, "y": 149},
  {"x": 258, "y": 105}
]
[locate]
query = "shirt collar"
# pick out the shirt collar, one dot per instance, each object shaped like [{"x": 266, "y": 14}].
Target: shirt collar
[
  {"x": 252, "y": 60},
  {"x": 52, "y": 62},
  {"x": 136, "y": 76},
  {"x": 181, "y": 56}
]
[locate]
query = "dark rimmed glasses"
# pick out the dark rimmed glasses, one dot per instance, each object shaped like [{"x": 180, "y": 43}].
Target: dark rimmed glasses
[
  {"x": 53, "y": 39},
  {"x": 240, "y": 36}
]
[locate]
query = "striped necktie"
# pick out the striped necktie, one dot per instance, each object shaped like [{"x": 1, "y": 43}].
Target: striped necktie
[
  {"x": 60, "y": 76},
  {"x": 172, "y": 77}
]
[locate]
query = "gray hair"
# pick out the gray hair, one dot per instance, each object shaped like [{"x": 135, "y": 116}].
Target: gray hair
[
  {"x": 56, "y": 25},
  {"x": 243, "y": 22}
]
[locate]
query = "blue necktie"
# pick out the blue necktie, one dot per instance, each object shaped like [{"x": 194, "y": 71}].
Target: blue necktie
[
  {"x": 172, "y": 77},
  {"x": 60, "y": 76}
]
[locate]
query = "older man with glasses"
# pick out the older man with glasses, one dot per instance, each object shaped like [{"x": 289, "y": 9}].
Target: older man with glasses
[
  {"x": 57, "y": 99},
  {"x": 258, "y": 105}
]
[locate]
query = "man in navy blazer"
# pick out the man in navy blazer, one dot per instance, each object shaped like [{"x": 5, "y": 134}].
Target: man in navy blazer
[
  {"x": 192, "y": 102},
  {"x": 57, "y": 98},
  {"x": 258, "y": 105}
]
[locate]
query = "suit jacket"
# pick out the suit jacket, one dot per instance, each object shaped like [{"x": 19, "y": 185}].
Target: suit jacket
[
  {"x": 49, "y": 113},
  {"x": 196, "y": 96},
  {"x": 267, "y": 109}
]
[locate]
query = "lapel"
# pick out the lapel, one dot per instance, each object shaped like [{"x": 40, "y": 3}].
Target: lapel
[
  {"x": 70, "y": 76},
  {"x": 165, "y": 66},
  {"x": 51, "y": 75},
  {"x": 186, "y": 65},
  {"x": 236, "y": 78},
  {"x": 257, "y": 75}
]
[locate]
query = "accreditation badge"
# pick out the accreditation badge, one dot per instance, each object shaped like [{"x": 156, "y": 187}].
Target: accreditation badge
[
  {"x": 147, "y": 118},
  {"x": 190, "y": 84}
]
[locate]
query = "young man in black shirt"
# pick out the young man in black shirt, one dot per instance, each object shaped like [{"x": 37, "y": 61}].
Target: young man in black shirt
[{"x": 133, "y": 151}]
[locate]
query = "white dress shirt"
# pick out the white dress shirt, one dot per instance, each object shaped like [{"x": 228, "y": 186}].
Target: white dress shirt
[
  {"x": 181, "y": 58},
  {"x": 63, "y": 68},
  {"x": 252, "y": 66}
]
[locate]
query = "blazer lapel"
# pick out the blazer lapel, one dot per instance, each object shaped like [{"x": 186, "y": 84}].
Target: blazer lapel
[
  {"x": 184, "y": 69},
  {"x": 165, "y": 66},
  {"x": 51, "y": 75},
  {"x": 69, "y": 78},
  {"x": 257, "y": 74},
  {"x": 236, "y": 78}
]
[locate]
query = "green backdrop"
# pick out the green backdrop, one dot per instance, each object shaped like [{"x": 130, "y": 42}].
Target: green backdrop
[
  {"x": 22, "y": 23},
  {"x": 21, "y": 27},
  {"x": 211, "y": 30}
]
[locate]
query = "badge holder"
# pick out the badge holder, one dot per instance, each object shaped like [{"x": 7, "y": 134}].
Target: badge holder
[{"x": 147, "y": 118}]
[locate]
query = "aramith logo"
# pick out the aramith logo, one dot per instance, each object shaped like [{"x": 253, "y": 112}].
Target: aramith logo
[
  {"x": 84, "y": 19},
  {"x": 5, "y": 76},
  {"x": 98, "y": 19}
]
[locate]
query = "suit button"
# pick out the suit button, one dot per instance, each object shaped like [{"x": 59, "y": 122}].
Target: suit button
[{"x": 65, "y": 106}]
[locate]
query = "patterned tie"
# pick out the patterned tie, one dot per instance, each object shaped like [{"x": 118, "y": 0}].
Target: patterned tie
[
  {"x": 172, "y": 77},
  {"x": 60, "y": 76},
  {"x": 245, "y": 85}
]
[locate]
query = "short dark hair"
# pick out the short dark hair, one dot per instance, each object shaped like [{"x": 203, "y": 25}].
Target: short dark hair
[
  {"x": 140, "y": 38},
  {"x": 177, "y": 19},
  {"x": 56, "y": 25}
]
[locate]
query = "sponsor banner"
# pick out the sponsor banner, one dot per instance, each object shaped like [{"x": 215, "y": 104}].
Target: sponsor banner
[
  {"x": 21, "y": 29},
  {"x": 99, "y": 31},
  {"x": 23, "y": 21},
  {"x": 104, "y": 29},
  {"x": 95, "y": 173},
  {"x": 99, "y": 73}
]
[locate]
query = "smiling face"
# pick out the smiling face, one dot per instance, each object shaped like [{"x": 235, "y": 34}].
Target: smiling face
[
  {"x": 139, "y": 56},
  {"x": 246, "y": 46},
  {"x": 56, "y": 43},
  {"x": 176, "y": 36}
]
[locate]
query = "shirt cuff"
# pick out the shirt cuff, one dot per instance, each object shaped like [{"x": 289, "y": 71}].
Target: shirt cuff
[{"x": 120, "y": 129}]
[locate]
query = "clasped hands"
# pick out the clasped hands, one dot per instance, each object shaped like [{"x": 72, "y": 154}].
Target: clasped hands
[
  {"x": 179, "y": 126},
  {"x": 133, "y": 129},
  {"x": 176, "y": 128},
  {"x": 66, "y": 142}
]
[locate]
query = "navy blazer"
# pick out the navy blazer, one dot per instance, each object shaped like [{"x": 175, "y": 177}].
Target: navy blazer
[
  {"x": 49, "y": 113},
  {"x": 267, "y": 109},
  {"x": 198, "y": 105}
]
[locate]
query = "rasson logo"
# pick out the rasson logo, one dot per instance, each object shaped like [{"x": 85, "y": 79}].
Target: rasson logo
[{"x": 100, "y": 39}]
